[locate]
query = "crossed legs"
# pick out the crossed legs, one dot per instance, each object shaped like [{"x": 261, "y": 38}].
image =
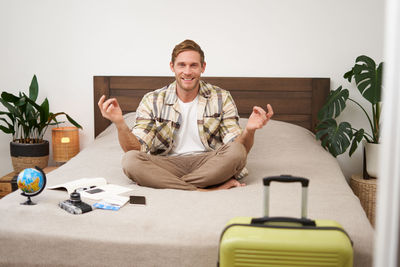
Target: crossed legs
[{"x": 187, "y": 172}]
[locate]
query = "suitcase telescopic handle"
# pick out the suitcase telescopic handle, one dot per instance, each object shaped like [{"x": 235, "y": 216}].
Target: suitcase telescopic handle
[
  {"x": 280, "y": 220},
  {"x": 286, "y": 179}
]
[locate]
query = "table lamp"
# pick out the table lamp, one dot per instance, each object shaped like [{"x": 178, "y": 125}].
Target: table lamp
[{"x": 65, "y": 143}]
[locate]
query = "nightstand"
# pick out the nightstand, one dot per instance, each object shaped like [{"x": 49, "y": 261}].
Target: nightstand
[
  {"x": 365, "y": 190},
  {"x": 8, "y": 183}
]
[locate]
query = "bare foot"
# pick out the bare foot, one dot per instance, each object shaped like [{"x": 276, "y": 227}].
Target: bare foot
[{"x": 227, "y": 185}]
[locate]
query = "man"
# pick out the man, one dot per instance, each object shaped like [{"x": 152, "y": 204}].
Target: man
[{"x": 186, "y": 135}]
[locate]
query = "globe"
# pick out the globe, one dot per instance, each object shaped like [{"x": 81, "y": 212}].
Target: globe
[{"x": 31, "y": 182}]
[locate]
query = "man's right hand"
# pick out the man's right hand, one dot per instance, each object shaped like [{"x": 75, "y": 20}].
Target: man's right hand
[{"x": 110, "y": 109}]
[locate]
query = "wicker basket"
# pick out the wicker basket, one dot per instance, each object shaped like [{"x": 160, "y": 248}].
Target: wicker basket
[
  {"x": 29, "y": 155},
  {"x": 365, "y": 189},
  {"x": 20, "y": 163}
]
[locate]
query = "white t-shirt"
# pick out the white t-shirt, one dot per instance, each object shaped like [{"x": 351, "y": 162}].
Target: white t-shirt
[{"x": 188, "y": 139}]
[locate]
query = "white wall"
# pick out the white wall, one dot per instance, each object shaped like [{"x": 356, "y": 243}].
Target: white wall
[
  {"x": 66, "y": 43},
  {"x": 387, "y": 237}
]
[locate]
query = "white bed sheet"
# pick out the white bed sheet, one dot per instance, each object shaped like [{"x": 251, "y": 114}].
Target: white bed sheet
[{"x": 176, "y": 228}]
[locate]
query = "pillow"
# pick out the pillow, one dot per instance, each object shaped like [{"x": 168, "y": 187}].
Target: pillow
[{"x": 111, "y": 129}]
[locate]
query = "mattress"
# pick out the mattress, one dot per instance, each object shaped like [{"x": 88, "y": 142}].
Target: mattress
[{"x": 176, "y": 228}]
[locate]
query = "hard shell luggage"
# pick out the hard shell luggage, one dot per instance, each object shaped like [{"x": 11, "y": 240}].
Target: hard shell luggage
[{"x": 284, "y": 241}]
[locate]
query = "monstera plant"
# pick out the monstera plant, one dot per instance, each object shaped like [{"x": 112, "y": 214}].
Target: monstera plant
[{"x": 338, "y": 137}]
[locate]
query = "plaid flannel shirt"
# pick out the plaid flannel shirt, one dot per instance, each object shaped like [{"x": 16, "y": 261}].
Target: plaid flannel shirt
[{"x": 158, "y": 119}]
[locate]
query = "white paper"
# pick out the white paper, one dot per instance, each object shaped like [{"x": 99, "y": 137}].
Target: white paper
[
  {"x": 109, "y": 190},
  {"x": 116, "y": 200},
  {"x": 80, "y": 183}
]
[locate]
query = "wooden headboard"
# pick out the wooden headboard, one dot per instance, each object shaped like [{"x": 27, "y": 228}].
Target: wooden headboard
[{"x": 294, "y": 100}]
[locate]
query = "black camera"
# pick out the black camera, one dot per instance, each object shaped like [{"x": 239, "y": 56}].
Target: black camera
[{"x": 75, "y": 205}]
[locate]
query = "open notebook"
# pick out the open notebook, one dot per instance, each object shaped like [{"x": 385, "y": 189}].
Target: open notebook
[{"x": 96, "y": 189}]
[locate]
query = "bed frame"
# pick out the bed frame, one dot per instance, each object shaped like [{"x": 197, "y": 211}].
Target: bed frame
[{"x": 294, "y": 100}]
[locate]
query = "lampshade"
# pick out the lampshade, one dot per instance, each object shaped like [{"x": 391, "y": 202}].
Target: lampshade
[{"x": 65, "y": 143}]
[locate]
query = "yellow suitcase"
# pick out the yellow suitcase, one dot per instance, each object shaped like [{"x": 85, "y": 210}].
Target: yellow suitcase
[{"x": 284, "y": 241}]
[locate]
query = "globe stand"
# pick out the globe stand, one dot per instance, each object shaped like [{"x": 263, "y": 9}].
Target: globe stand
[{"x": 28, "y": 202}]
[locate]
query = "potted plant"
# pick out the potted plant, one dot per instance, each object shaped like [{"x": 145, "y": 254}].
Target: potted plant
[
  {"x": 337, "y": 138},
  {"x": 27, "y": 122}
]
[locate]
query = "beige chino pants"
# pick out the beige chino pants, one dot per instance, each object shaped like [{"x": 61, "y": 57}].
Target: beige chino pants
[{"x": 187, "y": 172}]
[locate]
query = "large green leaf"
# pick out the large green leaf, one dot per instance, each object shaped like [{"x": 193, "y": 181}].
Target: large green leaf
[
  {"x": 44, "y": 111},
  {"x": 368, "y": 78},
  {"x": 335, "y": 138},
  {"x": 379, "y": 76},
  {"x": 31, "y": 112},
  {"x": 6, "y": 130},
  {"x": 335, "y": 104},
  {"x": 21, "y": 103},
  {"x": 31, "y": 101},
  {"x": 348, "y": 75},
  {"x": 10, "y": 128},
  {"x": 358, "y": 136},
  {"x": 9, "y": 97},
  {"x": 34, "y": 89},
  {"x": 73, "y": 122},
  {"x": 8, "y": 124},
  {"x": 53, "y": 118},
  {"x": 10, "y": 107}
]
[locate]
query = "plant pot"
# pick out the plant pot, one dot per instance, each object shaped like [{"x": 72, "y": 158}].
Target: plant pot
[
  {"x": 29, "y": 155},
  {"x": 372, "y": 158}
]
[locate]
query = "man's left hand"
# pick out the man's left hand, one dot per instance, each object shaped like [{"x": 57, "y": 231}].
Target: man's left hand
[{"x": 259, "y": 118}]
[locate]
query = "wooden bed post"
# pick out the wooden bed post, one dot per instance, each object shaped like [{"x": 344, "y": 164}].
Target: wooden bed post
[
  {"x": 101, "y": 86},
  {"x": 320, "y": 92}
]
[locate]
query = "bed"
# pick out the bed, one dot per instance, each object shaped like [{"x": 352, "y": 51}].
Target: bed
[{"x": 182, "y": 228}]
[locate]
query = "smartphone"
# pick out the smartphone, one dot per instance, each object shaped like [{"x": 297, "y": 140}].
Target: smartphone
[
  {"x": 94, "y": 191},
  {"x": 140, "y": 200}
]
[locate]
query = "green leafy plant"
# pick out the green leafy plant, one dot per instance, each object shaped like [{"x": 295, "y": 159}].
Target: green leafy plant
[
  {"x": 24, "y": 119},
  {"x": 336, "y": 138}
]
